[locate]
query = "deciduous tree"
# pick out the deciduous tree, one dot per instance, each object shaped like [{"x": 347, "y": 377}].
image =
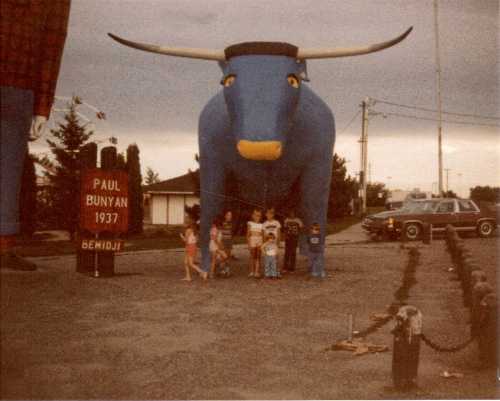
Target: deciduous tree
[
  {"x": 152, "y": 177},
  {"x": 376, "y": 194},
  {"x": 343, "y": 189}
]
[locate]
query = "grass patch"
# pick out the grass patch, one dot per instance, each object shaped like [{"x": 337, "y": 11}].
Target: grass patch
[
  {"x": 341, "y": 224},
  {"x": 153, "y": 238}
]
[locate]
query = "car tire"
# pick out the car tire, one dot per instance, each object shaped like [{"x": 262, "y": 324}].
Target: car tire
[
  {"x": 485, "y": 229},
  {"x": 412, "y": 231}
]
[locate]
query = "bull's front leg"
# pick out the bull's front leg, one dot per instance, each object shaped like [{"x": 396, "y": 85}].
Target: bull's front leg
[
  {"x": 313, "y": 206},
  {"x": 211, "y": 200}
]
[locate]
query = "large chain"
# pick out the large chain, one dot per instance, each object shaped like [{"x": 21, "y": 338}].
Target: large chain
[{"x": 440, "y": 348}]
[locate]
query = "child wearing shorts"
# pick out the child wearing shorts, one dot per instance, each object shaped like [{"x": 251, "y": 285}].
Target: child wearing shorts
[
  {"x": 254, "y": 241},
  {"x": 216, "y": 248},
  {"x": 190, "y": 239},
  {"x": 270, "y": 251}
]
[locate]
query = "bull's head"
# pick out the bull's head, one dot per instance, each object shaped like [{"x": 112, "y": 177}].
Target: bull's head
[{"x": 262, "y": 83}]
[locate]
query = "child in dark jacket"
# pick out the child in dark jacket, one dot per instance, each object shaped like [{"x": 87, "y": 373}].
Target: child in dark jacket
[
  {"x": 315, "y": 255},
  {"x": 292, "y": 227}
]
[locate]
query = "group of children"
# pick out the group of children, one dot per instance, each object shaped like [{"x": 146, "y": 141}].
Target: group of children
[{"x": 262, "y": 240}]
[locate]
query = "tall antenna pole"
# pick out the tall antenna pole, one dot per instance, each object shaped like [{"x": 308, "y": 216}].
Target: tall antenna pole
[{"x": 438, "y": 89}]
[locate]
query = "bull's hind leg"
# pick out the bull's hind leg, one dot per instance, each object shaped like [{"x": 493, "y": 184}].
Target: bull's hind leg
[{"x": 314, "y": 194}]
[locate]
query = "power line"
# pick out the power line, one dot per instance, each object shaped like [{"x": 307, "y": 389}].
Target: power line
[
  {"x": 445, "y": 121},
  {"x": 350, "y": 122},
  {"x": 435, "y": 111}
]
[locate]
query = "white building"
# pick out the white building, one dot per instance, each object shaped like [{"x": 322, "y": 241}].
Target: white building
[{"x": 166, "y": 200}]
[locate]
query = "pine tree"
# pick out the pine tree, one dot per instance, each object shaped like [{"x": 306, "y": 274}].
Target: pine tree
[
  {"x": 69, "y": 138},
  {"x": 152, "y": 177},
  {"x": 136, "y": 210},
  {"x": 121, "y": 164},
  {"x": 28, "y": 198}
]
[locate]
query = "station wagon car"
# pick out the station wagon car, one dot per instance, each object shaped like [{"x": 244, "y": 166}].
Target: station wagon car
[{"x": 409, "y": 221}]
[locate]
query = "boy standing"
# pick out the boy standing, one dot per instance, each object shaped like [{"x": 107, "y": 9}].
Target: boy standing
[
  {"x": 292, "y": 228},
  {"x": 270, "y": 250},
  {"x": 314, "y": 241},
  {"x": 227, "y": 233},
  {"x": 272, "y": 226}
]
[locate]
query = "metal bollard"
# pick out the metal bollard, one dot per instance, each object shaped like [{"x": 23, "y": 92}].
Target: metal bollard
[
  {"x": 457, "y": 258},
  {"x": 449, "y": 237},
  {"x": 472, "y": 275},
  {"x": 479, "y": 291},
  {"x": 487, "y": 334},
  {"x": 406, "y": 347},
  {"x": 468, "y": 265}
]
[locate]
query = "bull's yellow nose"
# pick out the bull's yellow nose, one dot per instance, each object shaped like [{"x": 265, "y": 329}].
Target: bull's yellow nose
[{"x": 259, "y": 150}]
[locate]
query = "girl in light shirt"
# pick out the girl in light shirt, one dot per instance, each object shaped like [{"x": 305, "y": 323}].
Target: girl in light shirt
[{"x": 254, "y": 241}]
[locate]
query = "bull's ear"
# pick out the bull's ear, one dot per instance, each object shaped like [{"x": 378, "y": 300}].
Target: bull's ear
[
  {"x": 222, "y": 65},
  {"x": 302, "y": 70}
]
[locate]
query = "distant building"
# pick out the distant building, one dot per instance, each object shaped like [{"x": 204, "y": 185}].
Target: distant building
[{"x": 165, "y": 201}]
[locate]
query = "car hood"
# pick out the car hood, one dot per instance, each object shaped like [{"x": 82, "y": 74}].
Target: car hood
[{"x": 386, "y": 215}]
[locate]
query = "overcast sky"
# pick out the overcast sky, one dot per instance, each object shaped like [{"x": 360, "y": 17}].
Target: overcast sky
[{"x": 155, "y": 100}]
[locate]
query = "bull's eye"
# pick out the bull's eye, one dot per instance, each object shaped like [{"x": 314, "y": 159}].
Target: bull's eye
[
  {"x": 228, "y": 80},
  {"x": 293, "y": 81}
]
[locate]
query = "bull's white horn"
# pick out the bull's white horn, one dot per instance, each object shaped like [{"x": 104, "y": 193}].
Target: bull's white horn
[
  {"x": 204, "y": 54},
  {"x": 303, "y": 54}
]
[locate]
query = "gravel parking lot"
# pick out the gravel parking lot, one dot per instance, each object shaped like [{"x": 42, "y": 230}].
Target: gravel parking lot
[{"x": 144, "y": 334}]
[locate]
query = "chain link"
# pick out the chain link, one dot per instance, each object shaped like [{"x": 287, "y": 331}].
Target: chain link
[{"x": 440, "y": 348}]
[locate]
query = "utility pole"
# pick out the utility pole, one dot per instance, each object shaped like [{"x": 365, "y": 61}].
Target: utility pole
[
  {"x": 438, "y": 89},
  {"x": 364, "y": 153}
]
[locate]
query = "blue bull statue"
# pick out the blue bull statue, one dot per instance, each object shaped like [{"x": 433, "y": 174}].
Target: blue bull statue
[{"x": 266, "y": 128}]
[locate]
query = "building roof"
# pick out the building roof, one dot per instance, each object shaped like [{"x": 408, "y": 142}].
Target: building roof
[{"x": 184, "y": 184}]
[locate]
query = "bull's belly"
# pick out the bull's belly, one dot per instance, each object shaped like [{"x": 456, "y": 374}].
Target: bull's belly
[{"x": 265, "y": 183}]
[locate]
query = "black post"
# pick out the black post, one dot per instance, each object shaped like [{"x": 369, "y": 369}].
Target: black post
[
  {"x": 406, "y": 347},
  {"x": 488, "y": 330},
  {"x": 479, "y": 291},
  {"x": 106, "y": 259},
  {"x": 85, "y": 260}
]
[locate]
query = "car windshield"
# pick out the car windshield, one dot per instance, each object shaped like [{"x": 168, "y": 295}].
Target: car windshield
[{"x": 420, "y": 207}]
